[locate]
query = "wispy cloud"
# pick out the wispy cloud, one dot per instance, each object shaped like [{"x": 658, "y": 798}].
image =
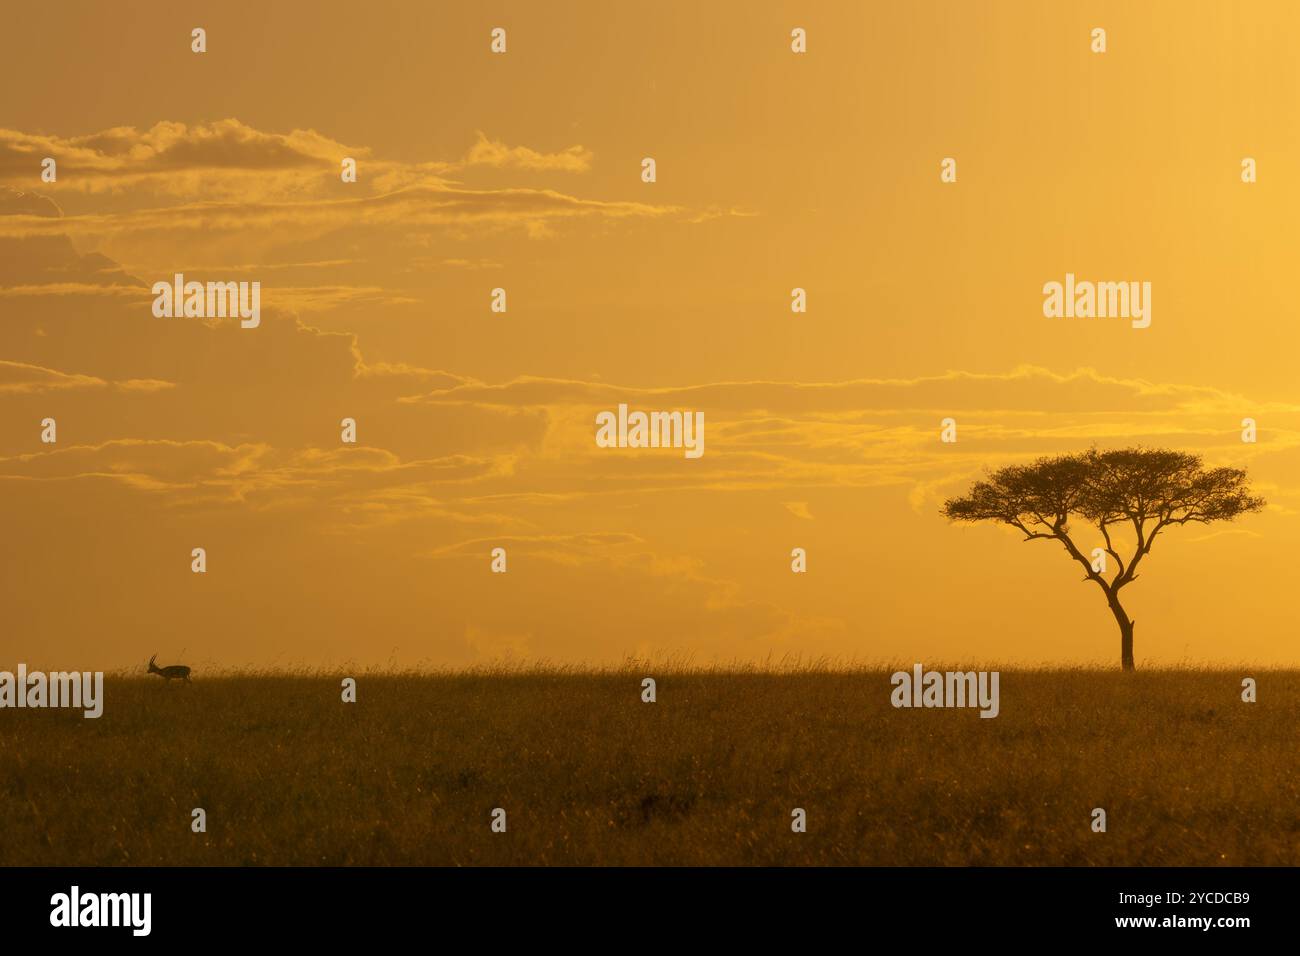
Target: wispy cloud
[
  {"x": 417, "y": 206},
  {"x": 494, "y": 153},
  {"x": 228, "y": 158},
  {"x": 19, "y": 378}
]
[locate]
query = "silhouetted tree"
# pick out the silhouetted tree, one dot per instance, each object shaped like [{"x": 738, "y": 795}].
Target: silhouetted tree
[{"x": 1141, "y": 491}]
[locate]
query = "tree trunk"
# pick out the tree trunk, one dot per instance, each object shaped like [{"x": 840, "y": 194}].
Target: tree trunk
[{"x": 1125, "y": 635}]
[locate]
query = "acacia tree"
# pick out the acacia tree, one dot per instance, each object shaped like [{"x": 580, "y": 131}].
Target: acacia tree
[{"x": 1137, "y": 491}]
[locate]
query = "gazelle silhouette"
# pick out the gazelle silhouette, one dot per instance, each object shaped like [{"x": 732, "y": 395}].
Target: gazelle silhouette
[{"x": 170, "y": 672}]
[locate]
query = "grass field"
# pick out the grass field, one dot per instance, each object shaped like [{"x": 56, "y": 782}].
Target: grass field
[{"x": 709, "y": 774}]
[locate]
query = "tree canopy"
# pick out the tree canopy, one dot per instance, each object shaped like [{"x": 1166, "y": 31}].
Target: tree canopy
[{"x": 1139, "y": 490}]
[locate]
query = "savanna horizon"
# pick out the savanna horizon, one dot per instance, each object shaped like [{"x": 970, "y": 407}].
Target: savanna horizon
[
  {"x": 587, "y": 772},
  {"x": 349, "y": 350}
]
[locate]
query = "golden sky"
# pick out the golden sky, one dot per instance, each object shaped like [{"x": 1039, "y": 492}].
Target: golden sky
[{"x": 475, "y": 429}]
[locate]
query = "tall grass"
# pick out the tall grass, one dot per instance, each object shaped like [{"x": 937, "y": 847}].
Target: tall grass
[{"x": 709, "y": 774}]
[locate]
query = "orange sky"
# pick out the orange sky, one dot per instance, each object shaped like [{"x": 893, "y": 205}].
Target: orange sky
[{"x": 522, "y": 171}]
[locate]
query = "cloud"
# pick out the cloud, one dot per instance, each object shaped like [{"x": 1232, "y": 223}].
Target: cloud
[
  {"x": 434, "y": 441},
  {"x": 210, "y": 474},
  {"x": 320, "y": 298},
  {"x": 169, "y": 156},
  {"x": 143, "y": 385},
  {"x": 34, "y": 262},
  {"x": 15, "y": 202},
  {"x": 720, "y": 212},
  {"x": 494, "y": 153},
  {"x": 423, "y": 262},
  {"x": 1026, "y": 389},
  {"x": 18, "y": 378},
  {"x": 1226, "y": 532},
  {"x": 73, "y": 288},
  {"x": 869, "y": 432},
  {"x": 247, "y": 267},
  {"x": 437, "y": 205},
  {"x": 568, "y": 549},
  {"x": 226, "y": 192},
  {"x": 229, "y": 158},
  {"x": 414, "y": 375}
]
